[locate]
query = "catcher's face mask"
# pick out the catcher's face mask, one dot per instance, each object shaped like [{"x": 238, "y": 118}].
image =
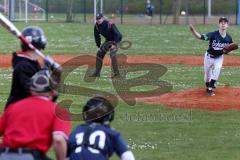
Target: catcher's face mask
[{"x": 42, "y": 81}]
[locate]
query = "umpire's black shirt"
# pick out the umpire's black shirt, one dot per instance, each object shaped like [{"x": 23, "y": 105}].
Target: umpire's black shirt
[
  {"x": 23, "y": 69},
  {"x": 108, "y": 30}
]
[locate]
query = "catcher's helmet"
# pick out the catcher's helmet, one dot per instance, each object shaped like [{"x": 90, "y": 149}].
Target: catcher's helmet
[
  {"x": 98, "y": 109},
  {"x": 35, "y": 35},
  {"x": 42, "y": 82}
]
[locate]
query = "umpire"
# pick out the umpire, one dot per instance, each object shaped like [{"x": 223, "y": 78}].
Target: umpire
[{"x": 112, "y": 37}]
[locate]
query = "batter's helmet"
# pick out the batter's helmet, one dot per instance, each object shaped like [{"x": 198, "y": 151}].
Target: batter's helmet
[
  {"x": 42, "y": 82},
  {"x": 35, "y": 35},
  {"x": 98, "y": 109}
]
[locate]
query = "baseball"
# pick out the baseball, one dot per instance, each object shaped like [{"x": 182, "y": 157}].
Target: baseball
[
  {"x": 51, "y": 16},
  {"x": 113, "y": 15},
  {"x": 183, "y": 13}
]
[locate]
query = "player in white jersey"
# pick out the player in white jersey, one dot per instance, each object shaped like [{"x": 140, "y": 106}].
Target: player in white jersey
[{"x": 213, "y": 59}]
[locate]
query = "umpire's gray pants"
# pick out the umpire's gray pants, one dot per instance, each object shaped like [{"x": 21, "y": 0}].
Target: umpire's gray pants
[{"x": 16, "y": 156}]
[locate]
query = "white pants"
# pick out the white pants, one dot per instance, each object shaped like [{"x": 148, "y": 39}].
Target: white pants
[{"x": 212, "y": 67}]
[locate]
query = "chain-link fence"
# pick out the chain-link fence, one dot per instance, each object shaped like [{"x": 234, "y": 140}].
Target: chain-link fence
[{"x": 135, "y": 11}]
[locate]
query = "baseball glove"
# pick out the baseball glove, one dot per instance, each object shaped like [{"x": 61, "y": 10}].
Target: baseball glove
[{"x": 230, "y": 47}]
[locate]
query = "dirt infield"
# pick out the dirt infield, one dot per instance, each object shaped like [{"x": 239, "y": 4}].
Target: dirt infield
[
  {"x": 226, "y": 97},
  {"x": 5, "y": 60}
]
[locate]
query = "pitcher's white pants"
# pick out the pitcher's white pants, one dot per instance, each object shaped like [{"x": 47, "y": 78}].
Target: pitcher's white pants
[{"x": 212, "y": 67}]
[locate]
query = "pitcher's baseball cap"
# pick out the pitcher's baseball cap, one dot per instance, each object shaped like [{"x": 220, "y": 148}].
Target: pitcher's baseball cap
[{"x": 223, "y": 19}]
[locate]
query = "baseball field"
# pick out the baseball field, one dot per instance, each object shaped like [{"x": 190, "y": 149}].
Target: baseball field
[{"x": 181, "y": 124}]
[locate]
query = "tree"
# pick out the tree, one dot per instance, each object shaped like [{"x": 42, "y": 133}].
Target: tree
[
  {"x": 69, "y": 11},
  {"x": 176, "y": 11}
]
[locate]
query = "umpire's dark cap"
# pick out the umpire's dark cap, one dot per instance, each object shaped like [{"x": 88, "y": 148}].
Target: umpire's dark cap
[
  {"x": 223, "y": 19},
  {"x": 99, "y": 16}
]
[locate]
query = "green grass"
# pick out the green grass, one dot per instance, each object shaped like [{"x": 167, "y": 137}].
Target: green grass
[
  {"x": 152, "y": 131},
  {"x": 158, "y": 132},
  {"x": 76, "y": 38}
]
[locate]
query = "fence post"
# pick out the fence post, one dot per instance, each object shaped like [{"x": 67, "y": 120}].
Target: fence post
[
  {"x": 187, "y": 11},
  {"x": 209, "y": 8},
  {"x": 204, "y": 12},
  {"x": 85, "y": 10},
  {"x": 47, "y": 10},
  {"x": 11, "y": 10},
  {"x": 95, "y": 11},
  {"x": 121, "y": 11},
  {"x": 237, "y": 12},
  {"x": 160, "y": 12}
]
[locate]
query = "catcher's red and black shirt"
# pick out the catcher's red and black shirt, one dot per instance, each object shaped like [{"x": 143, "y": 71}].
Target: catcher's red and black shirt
[{"x": 31, "y": 123}]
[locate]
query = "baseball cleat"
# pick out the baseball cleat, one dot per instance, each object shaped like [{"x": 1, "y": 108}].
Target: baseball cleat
[
  {"x": 210, "y": 92},
  {"x": 215, "y": 86}
]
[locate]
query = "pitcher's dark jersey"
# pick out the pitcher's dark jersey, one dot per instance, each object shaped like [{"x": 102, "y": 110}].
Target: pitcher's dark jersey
[{"x": 216, "y": 42}]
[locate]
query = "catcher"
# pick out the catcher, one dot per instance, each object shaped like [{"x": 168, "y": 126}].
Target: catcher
[
  {"x": 112, "y": 37},
  {"x": 220, "y": 42},
  {"x": 29, "y": 127}
]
